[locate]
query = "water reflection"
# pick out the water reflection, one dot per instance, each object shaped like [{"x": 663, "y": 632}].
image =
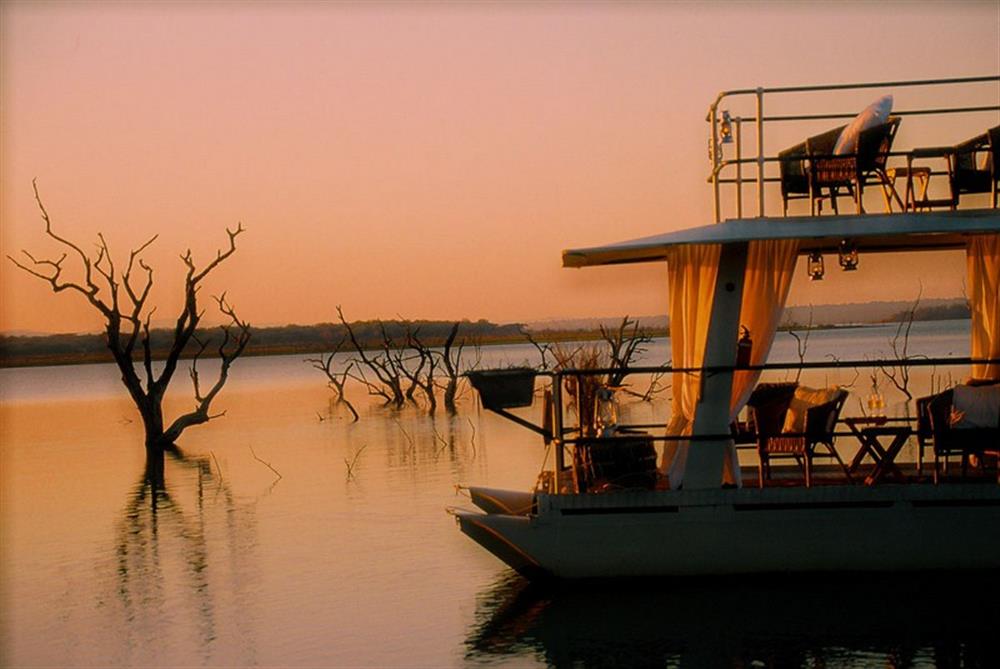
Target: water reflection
[
  {"x": 774, "y": 621},
  {"x": 182, "y": 557}
]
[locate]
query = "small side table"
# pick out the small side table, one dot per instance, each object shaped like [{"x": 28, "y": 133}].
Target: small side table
[
  {"x": 947, "y": 153},
  {"x": 868, "y": 431},
  {"x": 910, "y": 199}
]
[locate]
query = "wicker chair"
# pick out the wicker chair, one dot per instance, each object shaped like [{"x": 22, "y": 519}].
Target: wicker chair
[
  {"x": 973, "y": 167},
  {"x": 821, "y": 421},
  {"x": 794, "y": 166},
  {"x": 767, "y": 406},
  {"x": 934, "y": 422},
  {"x": 966, "y": 177},
  {"x": 852, "y": 171}
]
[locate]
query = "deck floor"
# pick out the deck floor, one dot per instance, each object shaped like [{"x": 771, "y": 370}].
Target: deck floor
[{"x": 788, "y": 474}]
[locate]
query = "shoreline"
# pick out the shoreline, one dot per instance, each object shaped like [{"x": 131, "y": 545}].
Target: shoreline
[{"x": 44, "y": 359}]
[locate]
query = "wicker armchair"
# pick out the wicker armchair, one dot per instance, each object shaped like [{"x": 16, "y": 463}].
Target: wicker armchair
[
  {"x": 966, "y": 177},
  {"x": 821, "y": 421},
  {"x": 934, "y": 429},
  {"x": 794, "y": 166},
  {"x": 973, "y": 167},
  {"x": 852, "y": 171}
]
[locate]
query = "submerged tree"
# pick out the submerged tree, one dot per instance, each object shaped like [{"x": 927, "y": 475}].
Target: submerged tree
[{"x": 122, "y": 301}]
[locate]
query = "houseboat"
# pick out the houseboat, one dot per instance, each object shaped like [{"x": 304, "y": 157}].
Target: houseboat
[{"x": 617, "y": 500}]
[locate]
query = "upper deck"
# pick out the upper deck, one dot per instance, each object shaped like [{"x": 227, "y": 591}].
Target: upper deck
[{"x": 926, "y": 178}]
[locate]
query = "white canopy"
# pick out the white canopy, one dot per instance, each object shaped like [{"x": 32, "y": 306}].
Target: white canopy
[{"x": 872, "y": 232}]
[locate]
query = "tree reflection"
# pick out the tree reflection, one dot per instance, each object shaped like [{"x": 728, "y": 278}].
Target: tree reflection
[
  {"x": 175, "y": 553},
  {"x": 773, "y": 621}
]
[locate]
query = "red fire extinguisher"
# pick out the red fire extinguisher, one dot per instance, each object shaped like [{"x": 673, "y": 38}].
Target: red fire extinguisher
[{"x": 743, "y": 348}]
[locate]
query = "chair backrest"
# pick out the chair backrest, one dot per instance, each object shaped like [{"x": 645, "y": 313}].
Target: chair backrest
[
  {"x": 768, "y": 405},
  {"x": 792, "y": 161},
  {"x": 966, "y": 153},
  {"x": 821, "y": 420},
  {"x": 924, "y": 430},
  {"x": 823, "y": 143},
  {"x": 993, "y": 134},
  {"x": 874, "y": 145},
  {"x": 972, "y": 174}
]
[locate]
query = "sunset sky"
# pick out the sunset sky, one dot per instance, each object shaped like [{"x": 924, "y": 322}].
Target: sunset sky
[{"x": 427, "y": 160}]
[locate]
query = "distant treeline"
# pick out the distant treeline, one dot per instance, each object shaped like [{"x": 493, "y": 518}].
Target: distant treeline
[
  {"x": 943, "y": 312},
  {"x": 19, "y": 351}
]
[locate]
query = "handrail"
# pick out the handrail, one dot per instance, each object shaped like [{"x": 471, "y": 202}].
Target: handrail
[
  {"x": 819, "y": 364},
  {"x": 759, "y": 119},
  {"x": 854, "y": 86}
]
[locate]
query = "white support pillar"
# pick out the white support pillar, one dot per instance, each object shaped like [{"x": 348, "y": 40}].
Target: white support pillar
[{"x": 705, "y": 460}]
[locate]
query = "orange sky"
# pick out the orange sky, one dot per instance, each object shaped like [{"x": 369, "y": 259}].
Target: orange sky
[{"x": 424, "y": 160}]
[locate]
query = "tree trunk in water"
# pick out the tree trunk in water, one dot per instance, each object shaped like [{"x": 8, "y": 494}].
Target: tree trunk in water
[
  {"x": 449, "y": 396},
  {"x": 154, "y": 472},
  {"x": 152, "y": 422}
]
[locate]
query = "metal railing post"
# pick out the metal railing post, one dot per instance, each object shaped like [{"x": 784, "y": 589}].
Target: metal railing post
[
  {"x": 557, "y": 426},
  {"x": 714, "y": 148},
  {"x": 760, "y": 151},
  {"x": 739, "y": 167}
]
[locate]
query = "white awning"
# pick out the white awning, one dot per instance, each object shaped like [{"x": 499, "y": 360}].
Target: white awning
[{"x": 870, "y": 232}]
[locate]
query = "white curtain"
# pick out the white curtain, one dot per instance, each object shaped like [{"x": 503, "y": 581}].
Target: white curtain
[
  {"x": 691, "y": 273},
  {"x": 768, "y": 277},
  {"x": 770, "y": 267},
  {"x": 983, "y": 264}
]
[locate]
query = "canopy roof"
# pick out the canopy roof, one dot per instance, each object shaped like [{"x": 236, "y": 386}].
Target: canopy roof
[{"x": 869, "y": 232}]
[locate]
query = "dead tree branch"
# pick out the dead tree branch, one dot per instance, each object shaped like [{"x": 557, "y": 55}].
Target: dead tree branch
[
  {"x": 544, "y": 350},
  {"x": 122, "y": 301},
  {"x": 335, "y": 379},
  {"x": 899, "y": 372},
  {"x": 350, "y": 464},
  {"x": 625, "y": 345}
]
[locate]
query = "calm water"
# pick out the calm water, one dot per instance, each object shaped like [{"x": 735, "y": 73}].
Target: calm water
[{"x": 235, "y": 566}]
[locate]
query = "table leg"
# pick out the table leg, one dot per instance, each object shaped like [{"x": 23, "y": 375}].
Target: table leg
[
  {"x": 865, "y": 449},
  {"x": 886, "y": 464}
]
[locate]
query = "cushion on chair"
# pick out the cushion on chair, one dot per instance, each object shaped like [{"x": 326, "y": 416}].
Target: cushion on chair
[
  {"x": 804, "y": 399},
  {"x": 873, "y": 115},
  {"x": 975, "y": 407}
]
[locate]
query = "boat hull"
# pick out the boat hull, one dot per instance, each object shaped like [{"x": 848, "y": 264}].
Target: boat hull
[{"x": 679, "y": 533}]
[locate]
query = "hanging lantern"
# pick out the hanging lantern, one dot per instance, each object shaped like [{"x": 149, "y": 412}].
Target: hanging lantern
[
  {"x": 848, "y": 252},
  {"x": 815, "y": 266}
]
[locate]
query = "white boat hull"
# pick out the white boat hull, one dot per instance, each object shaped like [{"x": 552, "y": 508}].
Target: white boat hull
[{"x": 680, "y": 533}]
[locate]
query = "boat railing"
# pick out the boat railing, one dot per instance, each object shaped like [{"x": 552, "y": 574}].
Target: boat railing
[
  {"x": 558, "y": 377},
  {"x": 727, "y": 129}
]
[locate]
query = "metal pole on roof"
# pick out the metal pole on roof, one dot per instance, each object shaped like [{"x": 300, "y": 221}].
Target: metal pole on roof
[
  {"x": 557, "y": 428},
  {"x": 713, "y": 147},
  {"x": 760, "y": 151},
  {"x": 739, "y": 167}
]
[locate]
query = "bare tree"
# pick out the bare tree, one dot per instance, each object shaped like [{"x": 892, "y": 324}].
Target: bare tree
[
  {"x": 121, "y": 300},
  {"x": 802, "y": 344},
  {"x": 385, "y": 366},
  {"x": 899, "y": 373},
  {"x": 451, "y": 359},
  {"x": 625, "y": 344},
  {"x": 421, "y": 376},
  {"x": 544, "y": 350},
  {"x": 335, "y": 379}
]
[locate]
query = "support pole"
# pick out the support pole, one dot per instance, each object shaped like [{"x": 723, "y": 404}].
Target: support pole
[
  {"x": 705, "y": 460},
  {"x": 760, "y": 152},
  {"x": 557, "y": 427}
]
